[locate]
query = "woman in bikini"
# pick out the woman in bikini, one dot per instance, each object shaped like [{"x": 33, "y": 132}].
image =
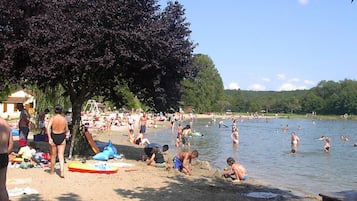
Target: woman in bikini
[{"x": 57, "y": 131}]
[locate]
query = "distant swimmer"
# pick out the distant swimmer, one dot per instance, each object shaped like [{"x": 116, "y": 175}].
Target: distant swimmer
[
  {"x": 235, "y": 136},
  {"x": 321, "y": 138},
  {"x": 286, "y": 128},
  {"x": 295, "y": 140},
  {"x": 345, "y": 138},
  {"x": 221, "y": 125},
  {"x": 327, "y": 144}
]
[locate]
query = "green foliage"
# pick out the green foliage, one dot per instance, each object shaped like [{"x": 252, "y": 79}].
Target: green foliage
[
  {"x": 86, "y": 46},
  {"x": 204, "y": 92},
  {"x": 327, "y": 98},
  {"x": 5, "y": 91},
  {"x": 48, "y": 97}
]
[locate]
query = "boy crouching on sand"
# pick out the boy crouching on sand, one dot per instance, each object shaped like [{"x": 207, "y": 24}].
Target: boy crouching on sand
[
  {"x": 182, "y": 162},
  {"x": 237, "y": 171}
]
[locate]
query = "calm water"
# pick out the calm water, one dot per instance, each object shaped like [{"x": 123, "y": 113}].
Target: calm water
[{"x": 264, "y": 150}]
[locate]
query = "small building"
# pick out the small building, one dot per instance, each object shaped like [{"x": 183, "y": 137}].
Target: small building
[{"x": 8, "y": 107}]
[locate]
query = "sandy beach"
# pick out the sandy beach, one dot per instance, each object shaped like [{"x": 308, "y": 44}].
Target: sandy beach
[{"x": 137, "y": 181}]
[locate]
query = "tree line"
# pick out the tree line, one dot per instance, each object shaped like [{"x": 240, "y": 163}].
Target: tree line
[{"x": 205, "y": 93}]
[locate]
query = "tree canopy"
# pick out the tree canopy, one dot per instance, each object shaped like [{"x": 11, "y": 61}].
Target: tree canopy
[
  {"x": 91, "y": 46},
  {"x": 204, "y": 92}
]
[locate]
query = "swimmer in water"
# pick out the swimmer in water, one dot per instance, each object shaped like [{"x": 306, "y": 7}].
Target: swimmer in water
[
  {"x": 345, "y": 138},
  {"x": 295, "y": 140},
  {"x": 327, "y": 144},
  {"x": 321, "y": 138}
]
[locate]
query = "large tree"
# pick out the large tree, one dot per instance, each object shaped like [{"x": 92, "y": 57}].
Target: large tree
[
  {"x": 90, "y": 46},
  {"x": 204, "y": 91}
]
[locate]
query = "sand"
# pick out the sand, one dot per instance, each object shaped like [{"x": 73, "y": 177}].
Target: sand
[{"x": 137, "y": 181}]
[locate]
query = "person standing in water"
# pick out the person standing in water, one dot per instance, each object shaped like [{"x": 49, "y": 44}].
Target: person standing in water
[
  {"x": 235, "y": 136},
  {"x": 186, "y": 131},
  {"x": 327, "y": 144},
  {"x": 295, "y": 141}
]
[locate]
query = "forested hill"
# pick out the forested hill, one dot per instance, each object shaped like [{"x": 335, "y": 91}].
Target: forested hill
[
  {"x": 252, "y": 95},
  {"x": 328, "y": 97}
]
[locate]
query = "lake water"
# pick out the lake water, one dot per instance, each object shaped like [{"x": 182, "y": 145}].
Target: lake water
[{"x": 264, "y": 149}]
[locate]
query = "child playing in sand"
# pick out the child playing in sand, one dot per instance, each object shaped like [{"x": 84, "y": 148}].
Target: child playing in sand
[
  {"x": 26, "y": 152},
  {"x": 237, "y": 171}
]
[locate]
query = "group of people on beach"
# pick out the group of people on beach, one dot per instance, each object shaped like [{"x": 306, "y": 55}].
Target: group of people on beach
[
  {"x": 56, "y": 129},
  {"x": 182, "y": 161},
  {"x": 154, "y": 152}
]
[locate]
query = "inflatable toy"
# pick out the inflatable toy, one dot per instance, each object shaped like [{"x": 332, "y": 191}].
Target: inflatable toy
[{"x": 109, "y": 152}]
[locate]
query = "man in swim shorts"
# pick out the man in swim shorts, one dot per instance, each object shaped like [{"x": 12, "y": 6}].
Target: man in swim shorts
[
  {"x": 6, "y": 144},
  {"x": 142, "y": 123},
  {"x": 182, "y": 161},
  {"x": 237, "y": 171}
]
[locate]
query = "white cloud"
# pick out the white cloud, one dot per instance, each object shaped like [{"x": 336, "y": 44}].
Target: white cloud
[
  {"x": 303, "y": 2},
  {"x": 233, "y": 85},
  {"x": 265, "y": 79},
  {"x": 294, "y": 80},
  {"x": 309, "y": 82},
  {"x": 290, "y": 87},
  {"x": 281, "y": 76},
  {"x": 256, "y": 87}
]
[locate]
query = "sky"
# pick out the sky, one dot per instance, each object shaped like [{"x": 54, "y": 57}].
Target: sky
[{"x": 276, "y": 45}]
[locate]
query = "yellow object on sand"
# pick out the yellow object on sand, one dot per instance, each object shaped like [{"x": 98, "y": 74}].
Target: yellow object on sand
[{"x": 76, "y": 166}]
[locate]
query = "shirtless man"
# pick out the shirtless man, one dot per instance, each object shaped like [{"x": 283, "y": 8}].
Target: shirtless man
[
  {"x": 237, "y": 171},
  {"x": 182, "y": 161},
  {"x": 57, "y": 132},
  {"x": 142, "y": 123},
  {"x": 6, "y": 144}
]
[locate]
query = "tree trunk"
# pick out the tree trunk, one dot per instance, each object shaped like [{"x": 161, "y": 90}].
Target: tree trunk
[{"x": 76, "y": 122}]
